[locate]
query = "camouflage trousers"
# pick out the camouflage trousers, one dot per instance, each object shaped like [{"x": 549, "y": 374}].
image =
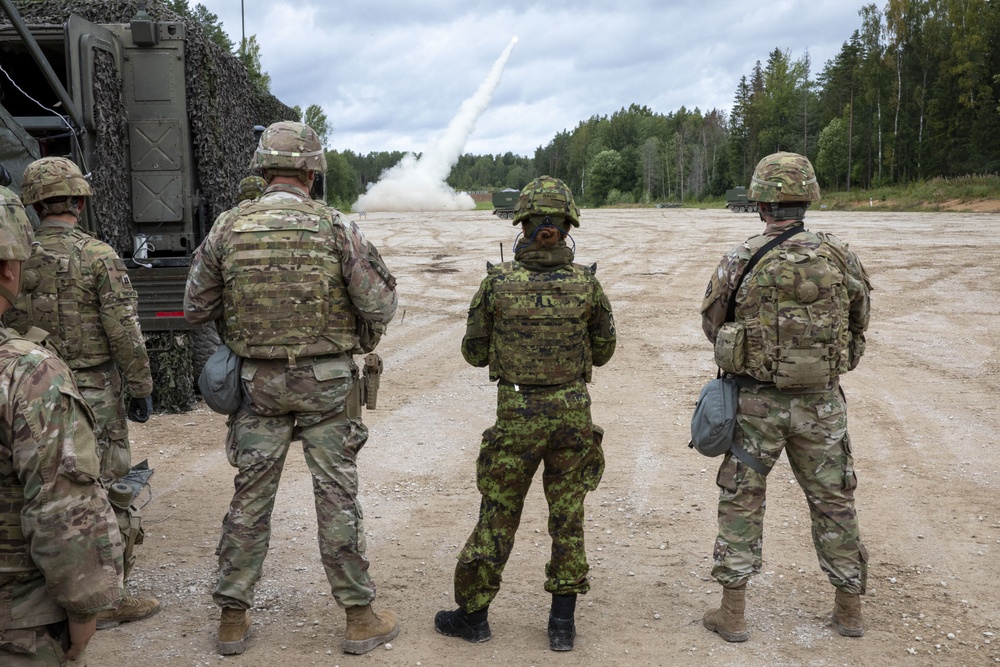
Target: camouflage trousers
[
  {"x": 282, "y": 403},
  {"x": 812, "y": 430},
  {"x": 43, "y": 645},
  {"x": 550, "y": 425},
  {"x": 103, "y": 389}
]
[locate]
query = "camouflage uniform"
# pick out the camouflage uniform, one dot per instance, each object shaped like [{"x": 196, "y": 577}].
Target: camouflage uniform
[
  {"x": 60, "y": 548},
  {"x": 77, "y": 289},
  {"x": 540, "y": 323},
  {"x": 292, "y": 282},
  {"x": 809, "y": 424}
]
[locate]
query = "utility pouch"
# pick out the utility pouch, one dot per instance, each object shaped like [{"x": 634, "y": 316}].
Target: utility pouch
[
  {"x": 220, "y": 382},
  {"x": 356, "y": 399},
  {"x": 713, "y": 424},
  {"x": 803, "y": 367},
  {"x": 372, "y": 378},
  {"x": 129, "y": 522},
  {"x": 730, "y": 348}
]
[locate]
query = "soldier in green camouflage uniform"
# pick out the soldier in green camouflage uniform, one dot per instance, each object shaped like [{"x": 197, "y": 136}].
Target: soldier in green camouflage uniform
[
  {"x": 540, "y": 323},
  {"x": 808, "y": 422},
  {"x": 294, "y": 285},
  {"x": 251, "y": 188},
  {"x": 60, "y": 549},
  {"x": 76, "y": 288}
]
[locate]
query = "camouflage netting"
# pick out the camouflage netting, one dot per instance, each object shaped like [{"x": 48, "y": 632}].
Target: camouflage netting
[
  {"x": 173, "y": 375},
  {"x": 223, "y": 103},
  {"x": 223, "y": 106},
  {"x": 109, "y": 173}
]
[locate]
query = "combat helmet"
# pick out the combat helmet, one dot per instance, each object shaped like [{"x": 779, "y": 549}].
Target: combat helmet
[
  {"x": 53, "y": 178},
  {"x": 252, "y": 187},
  {"x": 289, "y": 147},
  {"x": 16, "y": 236},
  {"x": 546, "y": 196},
  {"x": 784, "y": 177}
]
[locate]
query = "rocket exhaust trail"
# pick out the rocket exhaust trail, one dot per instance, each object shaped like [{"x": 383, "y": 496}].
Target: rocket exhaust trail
[{"x": 419, "y": 184}]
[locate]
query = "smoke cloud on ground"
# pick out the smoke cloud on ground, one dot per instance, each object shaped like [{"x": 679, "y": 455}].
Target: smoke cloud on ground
[{"x": 418, "y": 184}]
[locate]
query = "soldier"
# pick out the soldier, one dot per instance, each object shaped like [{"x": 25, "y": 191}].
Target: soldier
[
  {"x": 60, "y": 549},
  {"x": 294, "y": 285},
  {"x": 251, "y": 188},
  {"x": 76, "y": 289},
  {"x": 787, "y": 330},
  {"x": 540, "y": 323}
]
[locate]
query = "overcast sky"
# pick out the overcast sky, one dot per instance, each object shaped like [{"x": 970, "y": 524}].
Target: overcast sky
[{"x": 391, "y": 74}]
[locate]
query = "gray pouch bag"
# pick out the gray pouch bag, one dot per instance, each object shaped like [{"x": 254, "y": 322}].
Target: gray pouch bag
[
  {"x": 220, "y": 382},
  {"x": 713, "y": 425}
]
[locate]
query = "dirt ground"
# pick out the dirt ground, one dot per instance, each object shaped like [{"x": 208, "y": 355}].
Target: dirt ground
[{"x": 923, "y": 421}]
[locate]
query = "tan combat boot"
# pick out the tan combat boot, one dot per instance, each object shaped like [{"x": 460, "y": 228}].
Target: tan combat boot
[
  {"x": 847, "y": 614},
  {"x": 130, "y": 609},
  {"x": 728, "y": 619},
  {"x": 366, "y": 629},
  {"x": 234, "y": 628}
]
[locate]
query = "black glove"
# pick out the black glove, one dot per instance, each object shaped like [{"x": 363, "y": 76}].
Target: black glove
[
  {"x": 139, "y": 409},
  {"x": 5, "y": 177}
]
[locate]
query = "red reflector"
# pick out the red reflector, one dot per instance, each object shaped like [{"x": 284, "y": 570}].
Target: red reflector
[{"x": 173, "y": 313}]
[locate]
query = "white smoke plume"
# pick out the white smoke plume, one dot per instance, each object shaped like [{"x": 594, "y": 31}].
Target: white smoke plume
[{"x": 419, "y": 184}]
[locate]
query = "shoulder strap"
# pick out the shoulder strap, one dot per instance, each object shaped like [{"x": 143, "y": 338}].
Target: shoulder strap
[{"x": 776, "y": 241}]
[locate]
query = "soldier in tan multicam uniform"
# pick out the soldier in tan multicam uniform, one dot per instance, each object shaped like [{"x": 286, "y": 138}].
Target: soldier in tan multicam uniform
[
  {"x": 800, "y": 319},
  {"x": 293, "y": 285},
  {"x": 541, "y": 323},
  {"x": 60, "y": 548},
  {"x": 76, "y": 288}
]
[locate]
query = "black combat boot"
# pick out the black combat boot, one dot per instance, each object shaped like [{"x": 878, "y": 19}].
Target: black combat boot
[
  {"x": 562, "y": 629},
  {"x": 474, "y": 627}
]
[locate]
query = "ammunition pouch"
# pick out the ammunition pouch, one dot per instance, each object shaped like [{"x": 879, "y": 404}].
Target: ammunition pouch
[
  {"x": 371, "y": 379},
  {"x": 129, "y": 523},
  {"x": 730, "y": 348}
]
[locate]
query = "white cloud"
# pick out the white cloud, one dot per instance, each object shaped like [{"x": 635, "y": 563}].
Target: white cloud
[{"x": 391, "y": 75}]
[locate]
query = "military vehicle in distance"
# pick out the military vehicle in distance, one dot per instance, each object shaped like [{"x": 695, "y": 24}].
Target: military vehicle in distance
[
  {"x": 736, "y": 201},
  {"x": 159, "y": 117},
  {"x": 504, "y": 202}
]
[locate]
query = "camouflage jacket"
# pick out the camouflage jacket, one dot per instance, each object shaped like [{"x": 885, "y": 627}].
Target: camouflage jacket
[
  {"x": 351, "y": 260},
  {"x": 723, "y": 283},
  {"x": 77, "y": 289},
  {"x": 596, "y": 321},
  {"x": 60, "y": 548}
]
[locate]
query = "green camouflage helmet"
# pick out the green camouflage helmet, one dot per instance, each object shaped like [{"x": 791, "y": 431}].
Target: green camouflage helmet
[
  {"x": 16, "y": 236},
  {"x": 53, "y": 178},
  {"x": 289, "y": 146},
  {"x": 252, "y": 187},
  {"x": 546, "y": 196},
  {"x": 783, "y": 177}
]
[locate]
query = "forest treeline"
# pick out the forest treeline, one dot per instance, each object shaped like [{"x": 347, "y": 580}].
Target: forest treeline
[{"x": 911, "y": 95}]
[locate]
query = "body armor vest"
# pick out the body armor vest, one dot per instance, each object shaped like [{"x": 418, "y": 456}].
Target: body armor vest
[
  {"x": 795, "y": 314},
  {"x": 540, "y": 334},
  {"x": 284, "y": 293},
  {"x": 54, "y": 297}
]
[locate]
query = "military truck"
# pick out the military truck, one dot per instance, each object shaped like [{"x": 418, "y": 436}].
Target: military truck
[
  {"x": 504, "y": 202},
  {"x": 736, "y": 201},
  {"x": 161, "y": 120}
]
